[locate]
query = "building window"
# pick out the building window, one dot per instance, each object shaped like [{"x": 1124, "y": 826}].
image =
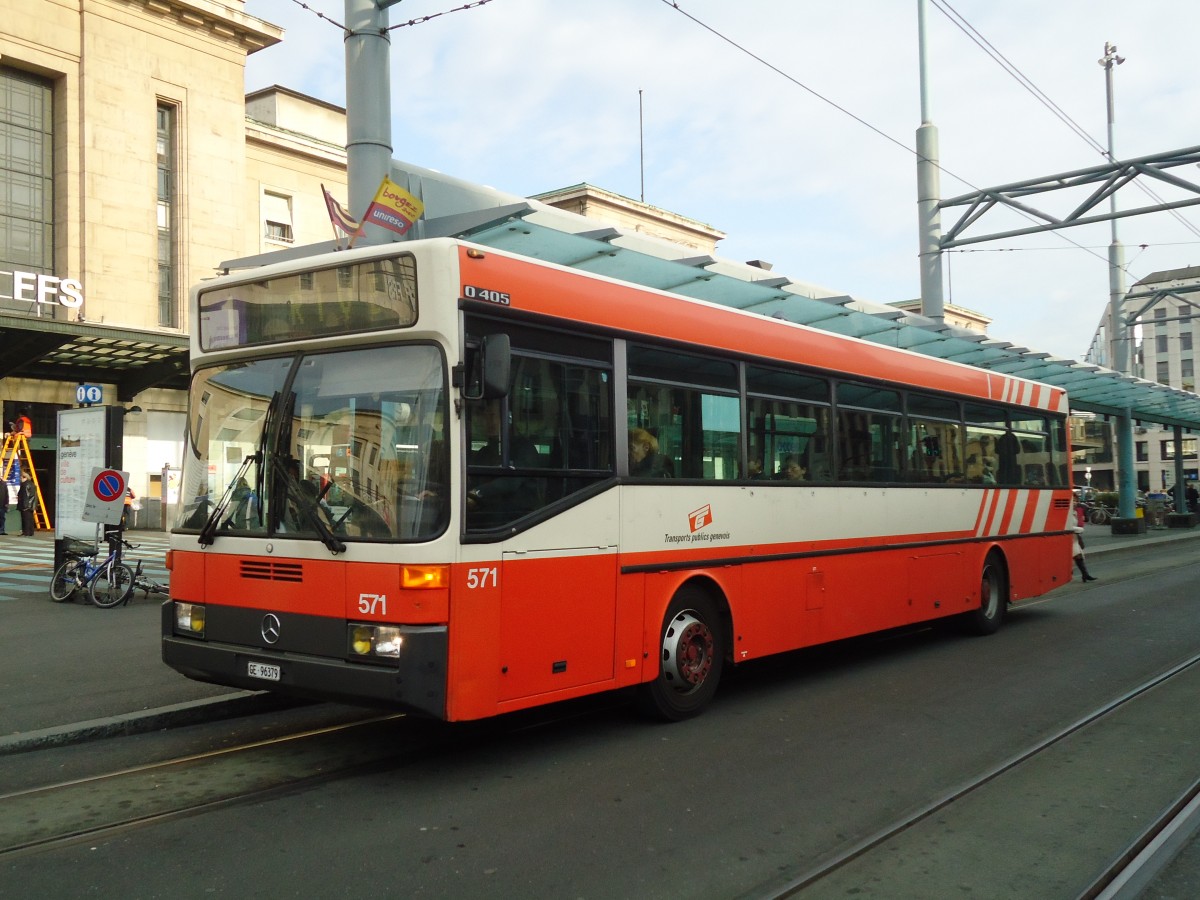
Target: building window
[
  {"x": 1163, "y": 371},
  {"x": 1160, "y": 343},
  {"x": 1185, "y": 340},
  {"x": 1142, "y": 451},
  {"x": 1187, "y": 445},
  {"x": 277, "y": 217},
  {"x": 26, "y": 175},
  {"x": 168, "y": 263}
]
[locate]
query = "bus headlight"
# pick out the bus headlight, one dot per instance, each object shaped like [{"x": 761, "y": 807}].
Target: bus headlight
[
  {"x": 189, "y": 618},
  {"x": 379, "y": 641}
]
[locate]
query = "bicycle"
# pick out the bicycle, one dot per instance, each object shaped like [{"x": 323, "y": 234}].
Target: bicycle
[
  {"x": 1099, "y": 514},
  {"x": 107, "y": 583},
  {"x": 143, "y": 582},
  {"x": 67, "y": 578}
]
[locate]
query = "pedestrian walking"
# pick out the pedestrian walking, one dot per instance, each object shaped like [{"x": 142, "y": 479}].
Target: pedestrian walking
[
  {"x": 3, "y": 507},
  {"x": 131, "y": 505},
  {"x": 1081, "y": 517},
  {"x": 26, "y": 499},
  {"x": 1077, "y": 553}
]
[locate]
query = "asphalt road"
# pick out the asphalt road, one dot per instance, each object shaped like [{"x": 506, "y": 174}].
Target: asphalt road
[{"x": 800, "y": 757}]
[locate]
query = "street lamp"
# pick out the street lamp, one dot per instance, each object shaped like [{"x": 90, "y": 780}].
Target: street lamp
[
  {"x": 1116, "y": 301},
  {"x": 1116, "y": 253}
]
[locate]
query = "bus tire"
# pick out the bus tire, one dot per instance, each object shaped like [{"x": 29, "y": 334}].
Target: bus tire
[
  {"x": 993, "y": 597},
  {"x": 691, "y": 658}
]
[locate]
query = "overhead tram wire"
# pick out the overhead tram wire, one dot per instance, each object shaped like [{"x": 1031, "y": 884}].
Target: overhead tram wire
[
  {"x": 1070, "y": 123},
  {"x": 959, "y": 21},
  {"x": 320, "y": 15},
  {"x": 420, "y": 20},
  {"x": 883, "y": 134},
  {"x": 938, "y": 3}
]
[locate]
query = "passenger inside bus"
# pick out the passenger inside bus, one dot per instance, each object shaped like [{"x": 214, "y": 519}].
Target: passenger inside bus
[
  {"x": 791, "y": 469},
  {"x": 304, "y": 500},
  {"x": 644, "y": 459}
]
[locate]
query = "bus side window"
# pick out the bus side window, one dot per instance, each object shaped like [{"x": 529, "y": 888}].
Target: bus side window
[
  {"x": 550, "y": 438},
  {"x": 868, "y": 446},
  {"x": 1033, "y": 462},
  {"x": 935, "y": 452},
  {"x": 869, "y": 436}
]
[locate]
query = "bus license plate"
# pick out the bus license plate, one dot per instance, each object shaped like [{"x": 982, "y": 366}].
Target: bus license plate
[{"x": 262, "y": 670}]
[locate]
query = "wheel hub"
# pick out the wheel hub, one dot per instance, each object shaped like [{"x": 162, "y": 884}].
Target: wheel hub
[{"x": 687, "y": 651}]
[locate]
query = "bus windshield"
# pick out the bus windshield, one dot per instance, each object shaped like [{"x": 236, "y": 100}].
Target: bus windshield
[{"x": 350, "y": 444}]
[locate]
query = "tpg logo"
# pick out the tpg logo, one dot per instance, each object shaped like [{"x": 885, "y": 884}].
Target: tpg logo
[{"x": 700, "y": 517}]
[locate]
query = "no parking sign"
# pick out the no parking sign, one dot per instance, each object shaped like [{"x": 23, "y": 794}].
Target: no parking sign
[{"x": 105, "y": 500}]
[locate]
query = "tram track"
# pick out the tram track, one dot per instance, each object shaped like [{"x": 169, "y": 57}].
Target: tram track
[
  {"x": 878, "y": 859},
  {"x": 101, "y": 804},
  {"x": 1133, "y": 869}
]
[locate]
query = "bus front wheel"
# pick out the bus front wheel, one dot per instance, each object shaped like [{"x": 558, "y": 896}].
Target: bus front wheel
[{"x": 691, "y": 657}]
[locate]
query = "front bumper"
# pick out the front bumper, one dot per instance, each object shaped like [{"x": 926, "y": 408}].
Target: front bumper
[{"x": 416, "y": 682}]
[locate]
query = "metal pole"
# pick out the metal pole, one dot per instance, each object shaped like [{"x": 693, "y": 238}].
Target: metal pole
[
  {"x": 929, "y": 216},
  {"x": 1122, "y": 355},
  {"x": 641, "y": 147},
  {"x": 1121, "y": 350},
  {"x": 1180, "y": 494},
  {"x": 368, "y": 108}
]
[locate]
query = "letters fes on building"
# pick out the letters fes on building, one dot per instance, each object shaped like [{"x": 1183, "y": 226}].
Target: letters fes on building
[
  {"x": 40, "y": 290},
  {"x": 394, "y": 207}
]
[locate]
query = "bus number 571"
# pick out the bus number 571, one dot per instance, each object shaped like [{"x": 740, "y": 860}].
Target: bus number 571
[{"x": 481, "y": 578}]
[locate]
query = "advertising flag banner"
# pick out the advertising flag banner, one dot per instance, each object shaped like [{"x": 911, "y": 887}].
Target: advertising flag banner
[
  {"x": 338, "y": 215},
  {"x": 394, "y": 208}
]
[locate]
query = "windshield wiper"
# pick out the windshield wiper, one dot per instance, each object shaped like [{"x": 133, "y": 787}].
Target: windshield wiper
[
  {"x": 208, "y": 532},
  {"x": 264, "y": 436}
]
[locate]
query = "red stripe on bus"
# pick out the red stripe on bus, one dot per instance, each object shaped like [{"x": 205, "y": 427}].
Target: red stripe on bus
[{"x": 608, "y": 304}]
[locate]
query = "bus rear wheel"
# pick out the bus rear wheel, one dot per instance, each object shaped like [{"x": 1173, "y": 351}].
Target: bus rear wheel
[
  {"x": 993, "y": 597},
  {"x": 691, "y": 658}
]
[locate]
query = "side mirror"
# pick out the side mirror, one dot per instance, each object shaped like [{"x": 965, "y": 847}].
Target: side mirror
[{"x": 490, "y": 373}]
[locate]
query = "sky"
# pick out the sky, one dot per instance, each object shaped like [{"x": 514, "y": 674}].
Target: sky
[{"x": 640, "y": 98}]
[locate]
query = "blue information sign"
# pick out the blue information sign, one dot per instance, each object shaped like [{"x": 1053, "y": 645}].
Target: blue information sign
[{"x": 89, "y": 393}]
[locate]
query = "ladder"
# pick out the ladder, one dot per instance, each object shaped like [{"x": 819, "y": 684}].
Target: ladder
[{"x": 16, "y": 453}]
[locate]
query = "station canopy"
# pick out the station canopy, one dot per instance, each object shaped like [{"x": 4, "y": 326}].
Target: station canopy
[
  {"x": 133, "y": 360},
  {"x": 527, "y": 227}
]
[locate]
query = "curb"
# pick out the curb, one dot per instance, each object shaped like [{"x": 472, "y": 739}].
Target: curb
[
  {"x": 243, "y": 703},
  {"x": 1141, "y": 542}
]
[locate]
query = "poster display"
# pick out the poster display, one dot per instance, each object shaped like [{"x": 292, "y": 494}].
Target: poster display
[{"x": 81, "y": 450}]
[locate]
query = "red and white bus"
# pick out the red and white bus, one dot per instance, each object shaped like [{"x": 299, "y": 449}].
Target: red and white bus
[{"x": 445, "y": 478}]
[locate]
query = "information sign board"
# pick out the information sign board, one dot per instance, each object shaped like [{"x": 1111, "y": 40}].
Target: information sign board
[{"x": 81, "y": 448}]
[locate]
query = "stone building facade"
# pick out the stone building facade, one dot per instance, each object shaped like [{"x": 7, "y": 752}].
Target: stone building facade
[
  {"x": 132, "y": 165},
  {"x": 1165, "y": 338},
  {"x": 130, "y": 169}
]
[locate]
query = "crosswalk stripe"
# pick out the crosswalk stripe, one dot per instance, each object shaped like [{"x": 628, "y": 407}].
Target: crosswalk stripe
[{"x": 27, "y": 564}]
